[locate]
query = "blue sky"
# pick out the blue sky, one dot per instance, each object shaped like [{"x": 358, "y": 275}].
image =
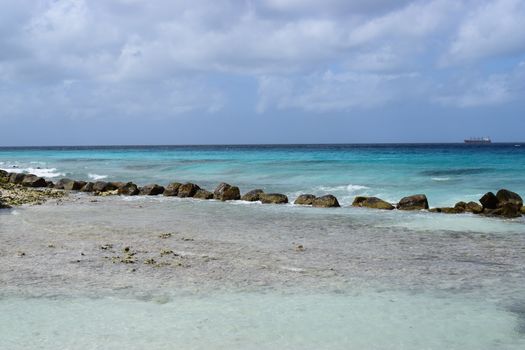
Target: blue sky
[{"x": 78, "y": 72}]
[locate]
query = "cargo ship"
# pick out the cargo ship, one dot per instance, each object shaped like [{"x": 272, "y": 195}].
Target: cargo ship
[{"x": 478, "y": 141}]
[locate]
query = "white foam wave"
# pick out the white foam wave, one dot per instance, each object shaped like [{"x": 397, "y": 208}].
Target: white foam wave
[
  {"x": 43, "y": 172},
  {"x": 441, "y": 178},
  {"x": 349, "y": 188},
  {"x": 97, "y": 177}
]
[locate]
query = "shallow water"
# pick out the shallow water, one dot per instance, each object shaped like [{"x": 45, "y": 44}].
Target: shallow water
[{"x": 236, "y": 278}]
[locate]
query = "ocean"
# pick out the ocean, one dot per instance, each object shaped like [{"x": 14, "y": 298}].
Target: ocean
[{"x": 238, "y": 275}]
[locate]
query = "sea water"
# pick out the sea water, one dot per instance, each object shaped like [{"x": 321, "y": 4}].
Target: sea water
[{"x": 363, "y": 279}]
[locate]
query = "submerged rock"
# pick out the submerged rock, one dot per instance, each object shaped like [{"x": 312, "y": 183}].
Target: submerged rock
[
  {"x": 489, "y": 201},
  {"x": 226, "y": 192},
  {"x": 273, "y": 198},
  {"x": 203, "y": 194},
  {"x": 253, "y": 195},
  {"x": 31, "y": 180},
  {"x": 129, "y": 189},
  {"x": 327, "y": 201},
  {"x": 188, "y": 190},
  {"x": 172, "y": 189},
  {"x": 447, "y": 210},
  {"x": 304, "y": 199},
  {"x": 372, "y": 202},
  {"x": 415, "y": 202},
  {"x": 151, "y": 190}
]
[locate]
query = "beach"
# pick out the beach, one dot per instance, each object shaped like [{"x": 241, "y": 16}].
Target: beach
[{"x": 163, "y": 271}]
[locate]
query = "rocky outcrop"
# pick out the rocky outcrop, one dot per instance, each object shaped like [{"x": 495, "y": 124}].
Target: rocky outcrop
[
  {"x": 226, "y": 192},
  {"x": 172, "y": 189},
  {"x": 327, "y": 201},
  {"x": 88, "y": 187},
  {"x": 509, "y": 197},
  {"x": 16, "y": 178},
  {"x": 31, "y": 180},
  {"x": 188, "y": 190},
  {"x": 69, "y": 185},
  {"x": 305, "y": 199},
  {"x": 129, "y": 189},
  {"x": 103, "y": 186},
  {"x": 151, "y": 190},
  {"x": 253, "y": 195},
  {"x": 372, "y": 202},
  {"x": 203, "y": 194},
  {"x": 489, "y": 201},
  {"x": 273, "y": 198},
  {"x": 415, "y": 202}
]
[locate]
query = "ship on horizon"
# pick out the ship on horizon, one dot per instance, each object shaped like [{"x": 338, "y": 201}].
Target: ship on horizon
[{"x": 478, "y": 141}]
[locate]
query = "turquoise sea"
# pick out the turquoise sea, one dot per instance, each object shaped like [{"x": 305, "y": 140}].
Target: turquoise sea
[
  {"x": 239, "y": 275},
  {"x": 446, "y": 173}
]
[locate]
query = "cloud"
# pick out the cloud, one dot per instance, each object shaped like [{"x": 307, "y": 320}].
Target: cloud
[{"x": 493, "y": 29}]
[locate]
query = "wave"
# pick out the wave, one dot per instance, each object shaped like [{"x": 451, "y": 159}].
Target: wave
[
  {"x": 348, "y": 188},
  {"x": 43, "y": 172},
  {"x": 441, "y": 178},
  {"x": 457, "y": 172},
  {"x": 97, "y": 177}
]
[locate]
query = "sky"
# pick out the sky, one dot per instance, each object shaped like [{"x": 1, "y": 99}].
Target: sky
[{"x": 118, "y": 72}]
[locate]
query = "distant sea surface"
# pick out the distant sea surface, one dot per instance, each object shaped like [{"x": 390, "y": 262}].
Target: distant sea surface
[{"x": 446, "y": 173}]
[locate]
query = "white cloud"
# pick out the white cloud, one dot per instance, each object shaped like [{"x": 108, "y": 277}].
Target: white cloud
[{"x": 494, "y": 28}]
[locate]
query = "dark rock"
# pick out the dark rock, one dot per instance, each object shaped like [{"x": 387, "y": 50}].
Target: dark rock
[
  {"x": 103, "y": 186},
  {"x": 447, "y": 210},
  {"x": 2, "y": 204},
  {"x": 461, "y": 205},
  {"x": 372, "y": 202},
  {"x": 203, "y": 194},
  {"x": 129, "y": 189},
  {"x": 188, "y": 190},
  {"x": 509, "y": 197},
  {"x": 507, "y": 210},
  {"x": 172, "y": 189},
  {"x": 252, "y": 196},
  {"x": 489, "y": 201},
  {"x": 88, "y": 187},
  {"x": 69, "y": 185},
  {"x": 16, "y": 178},
  {"x": 304, "y": 199},
  {"x": 273, "y": 198},
  {"x": 226, "y": 192},
  {"x": 151, "y": 190},
  {"x": 415, "y": 202},
  {"x": 50, "y": 184},
  {"x": 522, "y": 210},
  {"x": 31, "y": 180},
  {"x": 473, "y": 207},
  {"x": 4, "y": 175},
  {"x": 327, "y": 201}
]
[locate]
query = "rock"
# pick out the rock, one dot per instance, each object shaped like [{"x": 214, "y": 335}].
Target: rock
[
  {"x": 151, "y": 190},
  {"x": 327, "y": 201},
  {"x": 4, "y": 175},
  {"x": 129, "y": 189},
  {"x": 273, "y": 198},
  {"x": 489, "y": 201},
  {"x": 172, "y": 189},
  {"x": 34, "y": 181},
  {"x": 461, "y": 205},
  {"x": 473, "y": 207},
  {"x": 509, "y": 197},
  {"x": 252, "y": 196},
  {"x": 2, "y": 204},
  {"x": 103, "y": 186},
  {"x": 507, "y": 210},
  {"x": 203, "y": 194},
  {"x": 16, "y": 178},
  {"x": 304, "y": 199},
  {"x": 415, "y": 202},
  {"x": 522, "y": 210},
  {"x": 88, "y": 187},
  {"x": 69, "y": 185},
  {"x": 50, "y": 184},
  {"x": 226, "y": 192},
  {"x": 188, "y": 190},
  {"x": 372, "y": 202},
  {"x": 447, "y": 210}
]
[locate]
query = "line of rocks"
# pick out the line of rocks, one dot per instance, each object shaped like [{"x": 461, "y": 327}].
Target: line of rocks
[{"x": 505, "y": 203}]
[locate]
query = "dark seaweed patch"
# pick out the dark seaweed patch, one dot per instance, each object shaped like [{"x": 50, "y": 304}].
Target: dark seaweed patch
[{"x": 456, "y": 172}]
